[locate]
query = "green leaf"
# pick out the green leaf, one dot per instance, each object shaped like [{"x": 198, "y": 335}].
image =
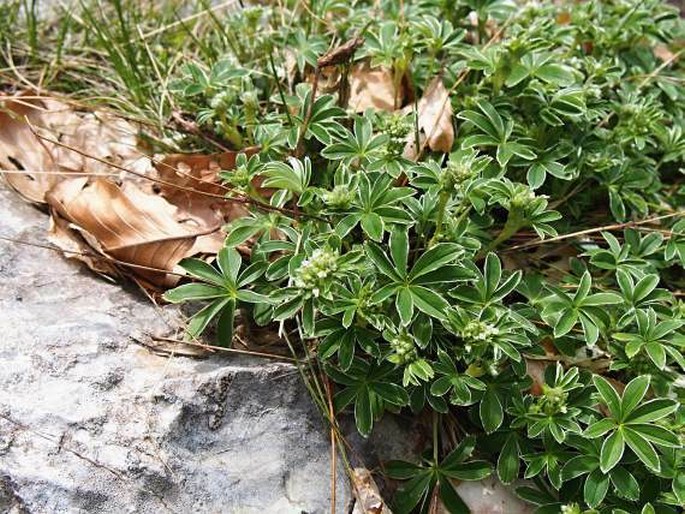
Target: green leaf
[
  {"x": 363, "y": 414},
  {"x": 601, "y": 299},
  {"x": 599, "y": 428},
  {"x": 450, "y": 499},
  {"x": 633, "y": 394},
  {"x": 595, "y": 489},
  {"x": 590, "y": 330},
  {"x": 287, "y": 309},
  {"x": 401, "y": 470},
  {"x": 558, "y": 74},
  {"x": 536, "y": 176},
  {"x": 245, "y": 295},
  {"x": 652, "y": 410},
  {"x": 429, "y": 302},
  {"x": 193, "y": 291},
  {"x": 462, "y": 452},
  {"x": 648, "y": 509},
  {"x": 567, "y": 320},
  {"x": 405, "y": 305},
  {"x": 491, "y": 411},
  {"x": 229, "y": 261},
  {"x": 391, "y": 393},
  {"x": 377, "y": 255},
  {"x": 679, "y": 486},
  {"x": 579, "y": 465},
  {"x": 472, "y": 470},
  {"x": 441, "y": 386},
  {"x": 399, "y": 248},
  {"x": 657, "y": 435},
  {"x": 203, "y": 271},
  {"x": 410, "y": 494},
  {"x": 493, "y": 117},
  {"x": 240, "y": 234},
  {"x": 373, "y": 225},
  {"x": 482, "y": 122},
  {"x": 625, "y": 484},
  {"x": 492, "y": 273},
  {"x": 201, "y": 319},
  {"x": 435, "y": 258},
  {"x": 642, "y": 448},
  {"x": 224, "y": 326},
  {"x": 508, "y": 460},
  {"x": 612, "y": 451},
  {"x": 656, "y": 353},
  {"x": 583, "y": 288},
  {"x": 609, "y": 395},
  {"x": 645, "y": 286}
]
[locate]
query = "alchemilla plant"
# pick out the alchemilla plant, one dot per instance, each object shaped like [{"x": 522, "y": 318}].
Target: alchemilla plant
[{"x": 523, "y": 291}]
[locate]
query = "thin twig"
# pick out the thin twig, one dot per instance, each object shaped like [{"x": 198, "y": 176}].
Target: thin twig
[
  {"x": 616, "y": 226},
  {"x": 91, "y": 255},
  {"x": 239, "y": 199},
  {"x": 266, "y": 355},
  {"x": 188, "y": 18}
]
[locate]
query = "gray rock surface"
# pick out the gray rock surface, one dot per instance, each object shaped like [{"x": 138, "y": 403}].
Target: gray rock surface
[{"x": 92, "y": 422}]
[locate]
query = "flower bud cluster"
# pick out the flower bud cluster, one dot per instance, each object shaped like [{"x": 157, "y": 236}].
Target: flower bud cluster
[
  {"x": 404, "y": 347},
  {"x": 314, "y": 272},
  {"x": 339, "y": 198}
]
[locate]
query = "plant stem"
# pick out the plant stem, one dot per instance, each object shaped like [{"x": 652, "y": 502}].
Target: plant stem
[
  {"x": 515, "y": 221},
  {"x": 442, "y": 207},
  {"x": 279, "y": 87},
  {"x": 436, "y": 423},
  {"x": 299, "y": 149}
]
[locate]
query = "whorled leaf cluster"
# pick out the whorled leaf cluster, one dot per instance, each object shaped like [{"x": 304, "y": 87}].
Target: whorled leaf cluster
[{"x": 443, "y": 285}]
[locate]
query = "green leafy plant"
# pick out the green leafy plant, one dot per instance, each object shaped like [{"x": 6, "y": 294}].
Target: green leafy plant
[
  {"x": 520, "y": 294},
  {"x": 402, "y": 278}
]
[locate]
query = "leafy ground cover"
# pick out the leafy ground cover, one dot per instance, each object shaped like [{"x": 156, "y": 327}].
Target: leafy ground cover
[{"x": 468, "y": 211}]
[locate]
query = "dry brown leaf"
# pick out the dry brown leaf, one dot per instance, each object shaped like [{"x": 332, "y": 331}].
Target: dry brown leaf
[
  {"x": 34, "y": 165},
  {"x": 130, "y": 226},
  {"x": 373, "y": 88},
  {"x": 366, "y": 493},
  {"x": 67, "y": 237},
  {"x": 199, "y": 191},
  {"x": 663, "y": 53},
  {"x": 20, "y": 150},
  {"x": 434, "y": 120}
]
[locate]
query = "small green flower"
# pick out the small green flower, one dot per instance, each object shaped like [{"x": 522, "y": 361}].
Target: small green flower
[
  {"x": 404, "y": 347},
  {"x": 340, "y": 198},
  {"x": 313, "y": 273},
  {"x": 571, "y": 508},
  {"x": 478, "y": 331}
]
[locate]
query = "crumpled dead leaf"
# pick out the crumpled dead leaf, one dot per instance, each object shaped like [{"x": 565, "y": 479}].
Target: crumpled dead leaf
[
  {"x": 374, "y": 88},
  {"x": 367, "y": 88},
  {"x": 187, "y": 176},
  {"x": 191, "y": 183},
  {"x": 45, "y": 142},
  {"x": 32, "y": 165},
  {"x": 434, "y": 121},
  {"x": 66, "y": 236},
  {"x": 368, "y": 498},
  {"x": 127, "y": 224}
]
